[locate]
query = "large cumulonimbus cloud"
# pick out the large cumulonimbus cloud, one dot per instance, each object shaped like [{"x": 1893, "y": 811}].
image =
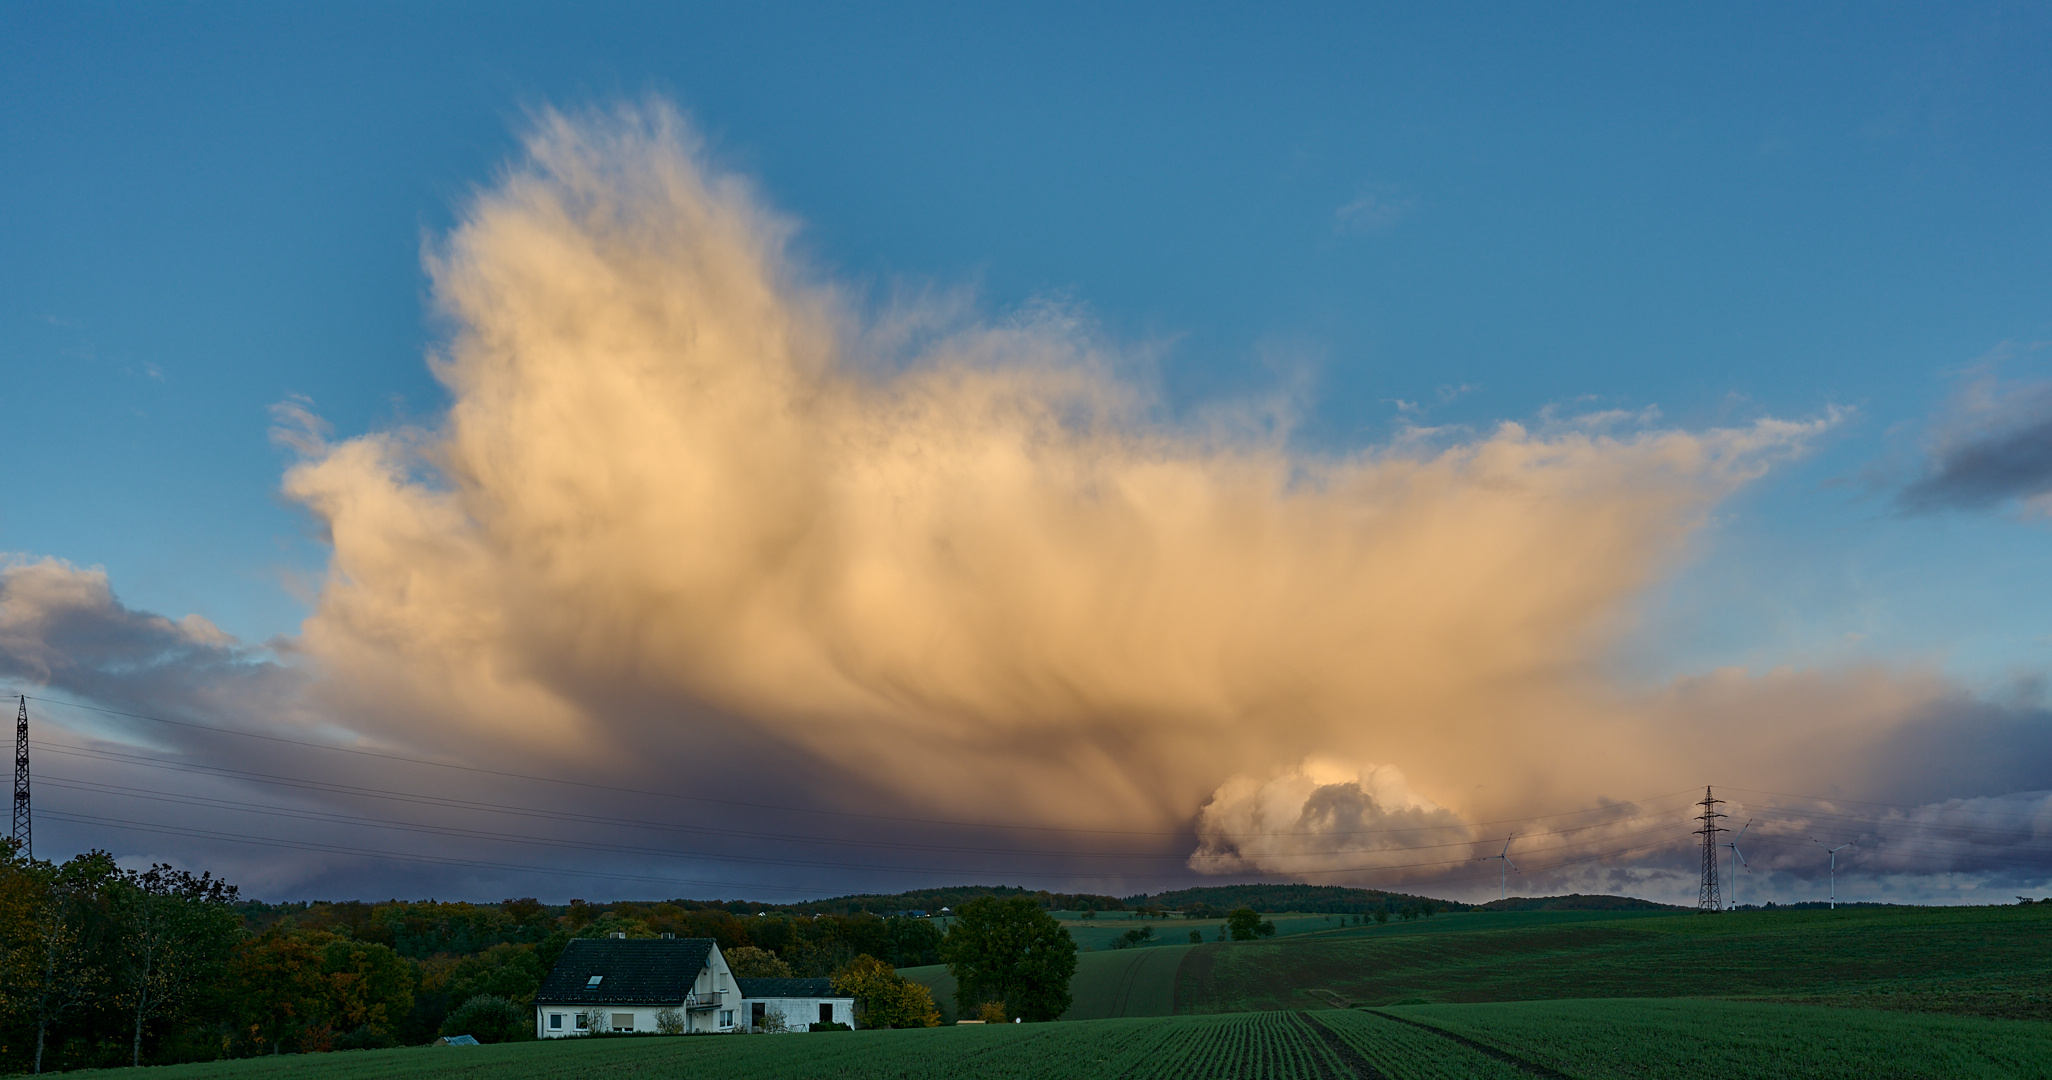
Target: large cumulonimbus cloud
[
  {"x": 691, "y": 523},
  {"x": 676, "y": 501}
]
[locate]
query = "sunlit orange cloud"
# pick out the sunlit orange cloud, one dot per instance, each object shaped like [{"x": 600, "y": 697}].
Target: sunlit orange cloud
[{"x": 677, "y": 481}]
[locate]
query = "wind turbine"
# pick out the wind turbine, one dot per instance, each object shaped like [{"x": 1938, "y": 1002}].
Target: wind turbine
[
  {"x": 1503, "y": 872},
  {"x": 1738, "y": 859},
  {"x": 1834, "y": 867}
]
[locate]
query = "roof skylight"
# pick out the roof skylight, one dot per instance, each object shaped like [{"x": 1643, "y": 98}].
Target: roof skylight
[{"x": 593, "y": 984}]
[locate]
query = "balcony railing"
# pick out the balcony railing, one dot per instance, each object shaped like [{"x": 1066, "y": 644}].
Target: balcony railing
[{"x": 697, "y": 1002}]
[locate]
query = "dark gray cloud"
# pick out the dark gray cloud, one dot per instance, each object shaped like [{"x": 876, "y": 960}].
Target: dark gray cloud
[{"x": 1992, "y": 447}]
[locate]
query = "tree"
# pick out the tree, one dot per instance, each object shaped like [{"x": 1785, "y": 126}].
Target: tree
[
  {"x": 276, "y": 976},
  {"x": 1245, "y": 924},
  {"x": 1008, "y": 949},
  {"x": 913, "y": 942},
  {"x": 176, "y": 932},
  {"x": 884, "y": 998},
  {"x": 369, "y": 985},
  {"x": 749, "y": 962},
  {"x": 69, "y": 905}
]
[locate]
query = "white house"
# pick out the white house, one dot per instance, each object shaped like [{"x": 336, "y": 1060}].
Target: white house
[
  {"x": 653, "y": 984},
  {"x": 671, "y": 985}
]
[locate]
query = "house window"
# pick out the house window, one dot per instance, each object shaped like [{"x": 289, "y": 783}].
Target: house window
[
  {"x": 726, "y": 1018},
  {"x": 580, "y": 1021},
  {"x": 826, "y": 1013},
  {"x": 555, "y": 1021},
  {"x": 623, "y": 1021}
]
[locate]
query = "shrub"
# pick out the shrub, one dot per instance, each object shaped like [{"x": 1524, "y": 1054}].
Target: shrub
[
  {"x": 993, "y": 1012},
  {"x": 884, "y": 998},
  {"x": 364, "y": 1038},
  {"x": 490, "y": 1019},
  {"x": 829, "y": 1025},
  {"x": 670, "y": 1021}
]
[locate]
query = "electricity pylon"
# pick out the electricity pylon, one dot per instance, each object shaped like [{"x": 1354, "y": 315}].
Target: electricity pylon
[
  {"x": 1707, "y": 899},
  {"x": 22, "y": 839}
]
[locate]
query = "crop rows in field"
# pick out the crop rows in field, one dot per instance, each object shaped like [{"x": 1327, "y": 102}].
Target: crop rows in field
[
  {"x": 1282, "y": 1046},
  {"x": 1586, "y": 1039},
  {"x": 1403, "y": 1051}
]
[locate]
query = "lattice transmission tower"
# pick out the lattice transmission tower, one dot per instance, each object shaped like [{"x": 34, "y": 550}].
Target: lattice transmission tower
[
  {"x": 1708, "y": 900},
  {"x": 22, "y": 839}
]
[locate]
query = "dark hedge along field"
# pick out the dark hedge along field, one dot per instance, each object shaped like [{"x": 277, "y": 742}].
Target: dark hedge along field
[
  {"x": 1592, "y": 1040},
  {"x": 1985, "y": 961}
]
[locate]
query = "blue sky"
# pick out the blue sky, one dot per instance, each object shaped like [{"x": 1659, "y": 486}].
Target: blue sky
[
  {"x": 1721, "y": 214},
  {"x": 1402, "y": 218}
]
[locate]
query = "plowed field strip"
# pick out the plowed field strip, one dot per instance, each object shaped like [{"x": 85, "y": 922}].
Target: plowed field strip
[{"x": 1512, "y": 1060}]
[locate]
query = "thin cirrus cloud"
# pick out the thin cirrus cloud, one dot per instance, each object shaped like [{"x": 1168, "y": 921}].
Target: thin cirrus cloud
[
  {"x": 683, "y": 529},
  {"x": 1371, "y": 211}
]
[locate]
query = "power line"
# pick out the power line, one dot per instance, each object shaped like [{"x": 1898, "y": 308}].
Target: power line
[{"x": 1894, "y": 806}]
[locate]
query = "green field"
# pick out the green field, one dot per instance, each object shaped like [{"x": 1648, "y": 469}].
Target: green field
[
  {"x": 1595, "y": 1040},
  {"x": 1097, "y": 933},
  {"x": 1989, "y": 961},
  {"x": 1107, "y": 986},
  {"x": 1933, "y": 992}
]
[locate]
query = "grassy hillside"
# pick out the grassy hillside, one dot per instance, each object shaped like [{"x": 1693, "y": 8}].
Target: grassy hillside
[
  {"x": 1577, "y": 902},
  {"x": 1099, "y": 931},
  {"x": 1989, "y": 961},
  {"x": 1596, "y": 1040}
]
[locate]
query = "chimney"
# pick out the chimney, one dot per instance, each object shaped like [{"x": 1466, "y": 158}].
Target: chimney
[{"x": 621, "y": 934}]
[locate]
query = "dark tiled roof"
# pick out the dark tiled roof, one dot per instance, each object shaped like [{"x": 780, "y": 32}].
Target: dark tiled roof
[
  {"x": 787, "y": 988},
  {"x": 647, "y": 971}
]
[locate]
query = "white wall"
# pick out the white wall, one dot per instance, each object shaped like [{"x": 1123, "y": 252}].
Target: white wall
[{"x": 799, "y": 1013}]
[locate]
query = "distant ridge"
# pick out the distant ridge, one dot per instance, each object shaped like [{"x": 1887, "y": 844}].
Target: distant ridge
[
  {"x": 1576, "y": 902},
  {"x": 1319, "y": 899},
  {"x": 1315, "y": 899}
]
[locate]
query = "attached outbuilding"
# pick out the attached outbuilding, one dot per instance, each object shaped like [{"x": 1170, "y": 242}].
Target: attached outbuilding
[
  {"x": 668, "y": 985},
  {"x": 796, "y": 1004}
]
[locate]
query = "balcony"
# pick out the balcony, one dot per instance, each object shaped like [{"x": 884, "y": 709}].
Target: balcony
[{"x": 696, "y": 1002}]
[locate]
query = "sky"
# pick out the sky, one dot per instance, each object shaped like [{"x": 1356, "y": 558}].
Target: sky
[{"x": 781, "y": 451}]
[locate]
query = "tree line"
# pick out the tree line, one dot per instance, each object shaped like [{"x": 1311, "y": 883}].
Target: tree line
[{"x": 101, "y": 966}]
